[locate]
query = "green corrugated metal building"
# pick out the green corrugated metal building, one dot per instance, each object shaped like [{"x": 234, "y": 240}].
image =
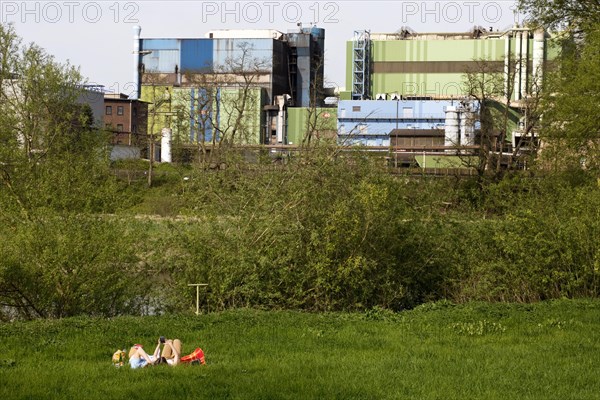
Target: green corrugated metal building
[
  {"x": 434, "y": 64},
  {"x": 181, "y": 110},
  {"x": 321, "y": 121}
]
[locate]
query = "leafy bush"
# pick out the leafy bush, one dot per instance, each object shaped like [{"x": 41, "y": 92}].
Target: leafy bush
[{"x": 68, "y": 266}]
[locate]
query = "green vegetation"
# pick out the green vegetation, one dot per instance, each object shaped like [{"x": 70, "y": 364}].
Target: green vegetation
[
  {"x": 383, "y": 256},
  {"x": 570, "y": 94},
  {"x": 571, "y": 113},
  {"x": 436, "y": 351},
  {"x": 565, "y": 14},
  {"x": 324, "y": 232},
  {"x": 324, "y": 229}
]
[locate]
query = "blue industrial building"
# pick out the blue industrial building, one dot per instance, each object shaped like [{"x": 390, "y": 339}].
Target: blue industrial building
[
  {"x": 289, "y": 63},
  {"x": 370, "y": 122},
  {"x": 275, "y": 70}
]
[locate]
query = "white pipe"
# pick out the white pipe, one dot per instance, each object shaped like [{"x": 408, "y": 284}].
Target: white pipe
[
  {"x": 165, "y": 145},
  {"x": 524, "y": 63},
  {"x": 465, "y": 127},
  {"x": 281, "y": 102},
  {"x": 451, "y": 128},
  {"x": 518, "y": 64},
  {"x": 137, "y": 30},
  {"x": 507, "y": 67},
  {"x": 538, "y": 59},
  {"x": 280, "y": 125}
]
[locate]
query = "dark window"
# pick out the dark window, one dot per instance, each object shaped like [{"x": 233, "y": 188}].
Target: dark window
[
  {"x": 134, "y": 111},
  {"x": 108, "y": 110},
  {"x": 134, "y": 128},
  {"x": 119, "y": 127},
  {"x": 119, "y": 110}
]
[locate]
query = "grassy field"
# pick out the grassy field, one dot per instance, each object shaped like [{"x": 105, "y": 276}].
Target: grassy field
[{"x": 437, "y": 351}]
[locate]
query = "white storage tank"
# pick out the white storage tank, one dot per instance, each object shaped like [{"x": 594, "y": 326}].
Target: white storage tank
[
  {"x": 452, "y": 128},
  {"x": 165, "y": 145}
]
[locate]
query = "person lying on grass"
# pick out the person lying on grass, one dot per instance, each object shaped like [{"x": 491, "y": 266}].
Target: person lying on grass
[
  {"x": 172, "y": 352},
  {"x": 138, "y": 358}
]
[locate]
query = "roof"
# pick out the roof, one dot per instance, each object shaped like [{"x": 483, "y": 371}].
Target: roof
[
  {"x": 115, "y": 96},
  {"x": 122, "y": 98},
  {"x": 244, "y": 34}
]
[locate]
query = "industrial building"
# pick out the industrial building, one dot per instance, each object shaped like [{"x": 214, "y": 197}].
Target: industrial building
[
  {"x": 126, "y": 119},
  {"x": 369, "y": 123},
  {"x": 407, "y": 63},
  {"x": 306, "y": 125},
  {"x": 93, "y": 96},
  {"x": 407, "y": 91},
  {"x": 230, "y": 85}
]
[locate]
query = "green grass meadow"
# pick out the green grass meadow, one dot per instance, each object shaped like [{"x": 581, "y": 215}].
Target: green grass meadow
[{"x": 548, "y": 350}]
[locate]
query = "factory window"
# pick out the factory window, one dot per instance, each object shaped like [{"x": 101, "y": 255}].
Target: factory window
[
  {"x": 119, "y": 110},
  {"x": 355, "y": 108},
  {"x": 108, "y": 110},
  {"x": 119, "y": 127}
]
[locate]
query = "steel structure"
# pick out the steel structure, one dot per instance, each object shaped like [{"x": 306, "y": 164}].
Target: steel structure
[{"x": 361, "y": 59}]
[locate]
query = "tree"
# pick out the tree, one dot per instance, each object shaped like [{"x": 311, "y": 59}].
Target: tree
[
  {"x": 65, "y": 266},
  {"x": 46, "y": 133},
  {"x": 493, "y": 90},
  {"x": 55, "y": 261},
  {"x": 485, "y": 84},
  {"x": 575, "y": 15},
  {"x": 569, "y": 105},
  {"x": 160, "y": 113},
  {"x": 226, "y": 101},
  {"x": 570, "y": 108}
]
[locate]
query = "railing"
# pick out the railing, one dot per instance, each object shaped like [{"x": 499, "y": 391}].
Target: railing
[{"x": 373, "y": 116}]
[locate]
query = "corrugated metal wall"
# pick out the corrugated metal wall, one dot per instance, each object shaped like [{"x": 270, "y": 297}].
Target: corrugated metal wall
[
  {"x": 226, "y": 51},
  {"x": 420, "y": 79},
  {"x": 196, "y": 55},
  {"x": 163, "y": 56},
  {"x": 159, "y": 44},
  {"x": 297, "y": 122},
  {"x": 206, "y": 55},
  {"x": 369, "y": 122},
  {"x": 200, "y": 115},
  {"x": 249, "y": 132}
]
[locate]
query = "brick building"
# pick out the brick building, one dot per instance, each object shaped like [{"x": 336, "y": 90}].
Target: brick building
[{"x": 126, "y": 118}]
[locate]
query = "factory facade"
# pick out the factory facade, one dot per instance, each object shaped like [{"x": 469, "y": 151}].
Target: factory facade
[
  {"x": 231, "y": 85},
  {"x": 409, "y": 91},
  {"x": 404, "y": 90},
  {"x": 407, "y": 63}
]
